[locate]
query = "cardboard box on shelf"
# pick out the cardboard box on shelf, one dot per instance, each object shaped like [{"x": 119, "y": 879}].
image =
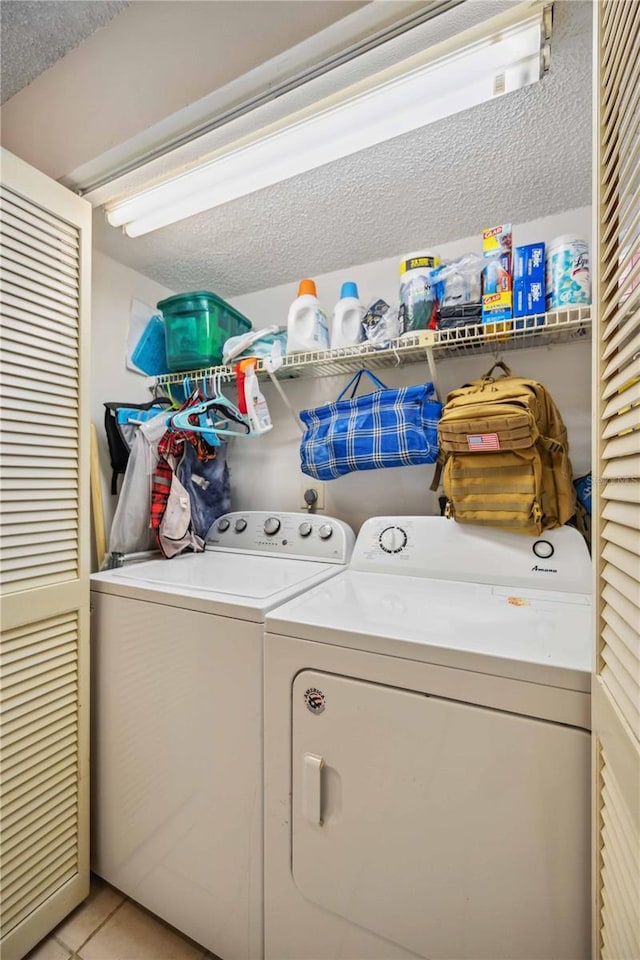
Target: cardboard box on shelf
[
  {"x": 529, "y": 282},
  {"x": 497, "y": 292}
]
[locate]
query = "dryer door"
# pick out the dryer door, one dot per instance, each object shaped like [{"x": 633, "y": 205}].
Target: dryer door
[{"x": 453, "y": 830}]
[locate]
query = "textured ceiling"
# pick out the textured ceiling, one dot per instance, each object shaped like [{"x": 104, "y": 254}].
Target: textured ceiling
[
  {"x": 523, "y": 156},
  {"x": 38, "y": 33}
]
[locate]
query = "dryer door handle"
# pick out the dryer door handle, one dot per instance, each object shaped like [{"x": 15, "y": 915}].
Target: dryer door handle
[{"x": 312, "y": 788}]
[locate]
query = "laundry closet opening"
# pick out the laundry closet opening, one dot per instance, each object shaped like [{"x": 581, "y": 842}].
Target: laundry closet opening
[{"x": 523, "y": 158}]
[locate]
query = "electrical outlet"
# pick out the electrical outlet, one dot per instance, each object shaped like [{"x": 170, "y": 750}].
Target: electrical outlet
[{"x": 307, "y": 486}]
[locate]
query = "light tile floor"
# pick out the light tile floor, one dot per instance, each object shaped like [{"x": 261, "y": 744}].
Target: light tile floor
[{"x": 109, "y": 926}]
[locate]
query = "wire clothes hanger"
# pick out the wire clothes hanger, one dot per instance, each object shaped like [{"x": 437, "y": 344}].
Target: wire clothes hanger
[{"x": 174, "y": 403}]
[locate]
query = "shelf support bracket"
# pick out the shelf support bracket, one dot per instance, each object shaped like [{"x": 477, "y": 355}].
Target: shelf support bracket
[
  {"x": 433, "y": 376},
  {"x": 271, "y": 364}
]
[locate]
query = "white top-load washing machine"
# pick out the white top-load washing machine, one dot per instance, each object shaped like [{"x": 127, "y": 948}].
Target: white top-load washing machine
[
  {"x": 427, "y": 750},
  {"x": 177, "y": 719}
]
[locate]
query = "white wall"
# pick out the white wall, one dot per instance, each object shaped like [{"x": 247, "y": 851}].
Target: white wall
[
  {"x": 266, "y": 472},
  {"x": 113, "y": 289}
]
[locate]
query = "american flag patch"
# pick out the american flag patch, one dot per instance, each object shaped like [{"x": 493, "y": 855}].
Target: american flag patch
[{"x": 483, "y": 441}]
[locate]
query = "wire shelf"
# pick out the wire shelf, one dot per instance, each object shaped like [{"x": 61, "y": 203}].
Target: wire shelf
[{"x": 561, "y": 326}]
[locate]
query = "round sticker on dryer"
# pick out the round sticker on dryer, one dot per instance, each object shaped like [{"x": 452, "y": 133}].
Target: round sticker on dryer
[{"x": 315, "y": 700}]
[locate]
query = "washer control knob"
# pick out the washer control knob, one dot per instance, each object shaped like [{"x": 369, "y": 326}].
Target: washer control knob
[
  {"x": 325, "y": 531},
  {"x": 543, "y": 549},
  {"x": 240, "y": 525},
  {"x": 392, "y": 539},
  {"x": 223, "y": 524},
  {"x": 305, "y": 529},
  {"x": 271, "y": 526}
]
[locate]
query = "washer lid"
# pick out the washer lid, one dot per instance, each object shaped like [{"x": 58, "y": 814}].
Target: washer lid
[
  {"x": 535, "y": 635},
  {"x": 252, "y": 582}
]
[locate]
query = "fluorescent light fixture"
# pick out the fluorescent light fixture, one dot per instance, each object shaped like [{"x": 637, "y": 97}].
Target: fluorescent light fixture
[{"x": 505, "y": 54}]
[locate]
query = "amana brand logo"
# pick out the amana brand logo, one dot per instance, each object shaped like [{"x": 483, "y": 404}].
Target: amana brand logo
[
  {"x": 315, "y": 700},
  {"x": 544, "y": 569}
]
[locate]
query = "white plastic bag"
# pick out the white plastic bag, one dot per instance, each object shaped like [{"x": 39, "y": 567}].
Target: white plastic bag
[{"x": 131, "y": 530}]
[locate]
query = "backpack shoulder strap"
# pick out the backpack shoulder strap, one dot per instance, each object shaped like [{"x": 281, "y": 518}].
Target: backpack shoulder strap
[{"x": 437, "y": 473}]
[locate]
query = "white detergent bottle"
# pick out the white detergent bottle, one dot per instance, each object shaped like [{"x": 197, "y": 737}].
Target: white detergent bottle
[
  {"x": 307, "y": 324},
  {"x": 346, "y": 329},
  {"x": 257, "y": 409}
]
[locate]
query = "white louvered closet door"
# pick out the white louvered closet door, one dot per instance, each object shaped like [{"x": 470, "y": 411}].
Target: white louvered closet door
[
  {"x": 44, "y": 561},
  {"x": 616, "y": 687}
]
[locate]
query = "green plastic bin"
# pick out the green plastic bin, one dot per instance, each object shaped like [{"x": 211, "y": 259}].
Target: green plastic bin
[{"x": 197, "y": 326}]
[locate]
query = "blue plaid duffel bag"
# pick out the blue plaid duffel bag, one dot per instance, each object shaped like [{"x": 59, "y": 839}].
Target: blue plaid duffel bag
[{"x": 386, "y": 428}]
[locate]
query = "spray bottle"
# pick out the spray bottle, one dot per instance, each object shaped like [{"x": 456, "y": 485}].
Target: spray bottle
[{"x": 257, "y": 409}]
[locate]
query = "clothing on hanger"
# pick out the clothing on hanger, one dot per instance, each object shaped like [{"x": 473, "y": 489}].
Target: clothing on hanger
[
  {"x": 121, "y": 422},
  {"x": 171, "y": 509},
  {"x": 207, "y": 484},
  {"x": 175, "y": 532}
]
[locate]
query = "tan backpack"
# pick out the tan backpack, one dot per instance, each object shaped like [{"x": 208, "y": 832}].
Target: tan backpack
[{"x": 505, "y": 454}]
